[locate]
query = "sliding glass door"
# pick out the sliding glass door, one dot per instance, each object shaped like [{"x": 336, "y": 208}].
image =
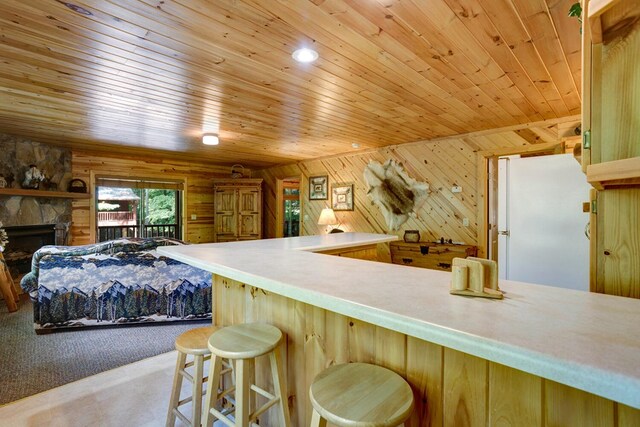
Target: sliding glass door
[
  {"x": 160, "y": 213},
  {"x": 127, "y": 208}
]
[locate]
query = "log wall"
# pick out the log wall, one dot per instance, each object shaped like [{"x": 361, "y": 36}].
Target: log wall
[
  {"x": 198, "y": 190},
  {"x": 442, "y": 163}
]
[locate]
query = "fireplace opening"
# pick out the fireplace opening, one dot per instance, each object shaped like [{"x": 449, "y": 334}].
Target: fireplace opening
[{"x": 24, "y": 241}]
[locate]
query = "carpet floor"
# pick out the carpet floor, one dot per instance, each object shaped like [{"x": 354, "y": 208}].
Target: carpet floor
[{"x": 31, "y": 363}]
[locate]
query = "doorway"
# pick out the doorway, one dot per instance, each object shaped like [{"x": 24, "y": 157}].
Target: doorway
[
  {"x": 540, "y": 221},
  {"x": 288, "y": 207}
]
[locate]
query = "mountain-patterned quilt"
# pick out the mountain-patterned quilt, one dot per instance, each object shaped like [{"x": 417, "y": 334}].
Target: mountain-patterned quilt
[{"x": 118, "y": 282}]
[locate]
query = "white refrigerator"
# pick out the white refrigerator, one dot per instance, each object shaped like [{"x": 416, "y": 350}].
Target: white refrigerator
[{"x": 541, "y": 224}]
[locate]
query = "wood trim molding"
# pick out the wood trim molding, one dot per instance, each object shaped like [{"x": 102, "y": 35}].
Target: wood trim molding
[
  {"x": 93, "y": 229},
  {"x": 279, "y": 232}
]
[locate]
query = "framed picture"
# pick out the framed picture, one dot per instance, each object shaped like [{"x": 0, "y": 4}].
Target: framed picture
[
  {"x": 342, "y": 197},
  {"x": 318, "y": 187}
]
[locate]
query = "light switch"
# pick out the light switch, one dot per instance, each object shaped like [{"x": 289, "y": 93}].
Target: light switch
[
  {"x": 456, "y": 189},
  {"x": 194, "y": 217},
  {"x": 465, "y": 222}
]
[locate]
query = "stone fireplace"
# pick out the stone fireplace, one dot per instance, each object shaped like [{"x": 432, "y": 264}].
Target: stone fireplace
[{"x": 32, "y": 221}]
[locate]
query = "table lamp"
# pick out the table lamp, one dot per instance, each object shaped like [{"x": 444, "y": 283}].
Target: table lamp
[{"x": 328, "y": 217}]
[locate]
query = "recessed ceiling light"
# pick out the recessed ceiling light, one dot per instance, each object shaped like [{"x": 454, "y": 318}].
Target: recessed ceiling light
[
  {"x": 305, "y": 55},
  {"x": 210, "y": 139}
]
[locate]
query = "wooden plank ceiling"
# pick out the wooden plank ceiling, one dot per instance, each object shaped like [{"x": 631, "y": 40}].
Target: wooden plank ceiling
[{"x": 156, "y": 74}]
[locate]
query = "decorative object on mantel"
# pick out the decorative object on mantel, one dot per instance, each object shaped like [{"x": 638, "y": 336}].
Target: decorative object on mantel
[
  {"x": 77, "y": 186},
  {"x": 342, "y": 197},
  {"x": 237, "y": 171},
  {"x": 396, "y": 194},
  {"x": 32, "y": 177},
  {"x": 318, "y": 187},
  {"x": 411, "y": 236},
  {"x": 475, "y": 277},
  {"x": 328, "y": 217},
  {"x": 3, "y": 182},
  {"x": 10, "y": 181},
  {"x": 48, "y": 185}
]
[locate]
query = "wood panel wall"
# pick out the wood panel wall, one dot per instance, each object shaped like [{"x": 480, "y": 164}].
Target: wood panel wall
[
  {"x": 451, "y": 388},
  {"x": 442, "y": 163},
  {"x": 198, "y": 191}
]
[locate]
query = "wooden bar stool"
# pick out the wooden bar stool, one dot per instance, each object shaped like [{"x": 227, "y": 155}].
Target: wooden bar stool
[
  {"x": 194, "y": 343},
  {"x": 359, "y": 395},
  {"x": 241, "y": 344}
]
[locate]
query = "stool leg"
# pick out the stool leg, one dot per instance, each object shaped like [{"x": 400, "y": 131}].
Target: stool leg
[
  {"x": 317, "y": 420},
  {"x": 243, "y": 383},
  {"x": 196, "y": 391},
  {"x": 212, "y": 389},
  {"x": 175, "y": 391},
  {"x": 6, "y": 287},
  {"x": 279, "y": 387}
]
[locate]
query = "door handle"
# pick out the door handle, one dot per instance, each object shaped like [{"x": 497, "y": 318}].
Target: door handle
[{"x": 504, "y": 233}]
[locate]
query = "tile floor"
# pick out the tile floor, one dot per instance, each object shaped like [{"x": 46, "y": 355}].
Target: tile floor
[{"x": 134, "y": 395}]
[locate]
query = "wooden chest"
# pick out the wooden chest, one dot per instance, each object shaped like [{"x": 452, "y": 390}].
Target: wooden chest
[{"x": 436, "y": 256}]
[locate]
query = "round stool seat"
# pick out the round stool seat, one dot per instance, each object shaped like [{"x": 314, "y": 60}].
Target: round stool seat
[
  {"x": 194, "y": 341},
  {"x": 360, "y": 394},
  {"x": 244, "y": 341}
]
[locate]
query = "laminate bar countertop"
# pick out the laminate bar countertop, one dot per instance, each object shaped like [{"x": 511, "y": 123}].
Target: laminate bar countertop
[{"x": 585, "y": 340}]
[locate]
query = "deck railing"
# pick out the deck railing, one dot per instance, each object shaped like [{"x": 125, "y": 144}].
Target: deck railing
[
  {"x": 112, "y": 232},
  {"x": 161, "y": 230},
  {"x": 116, "y": 217}
]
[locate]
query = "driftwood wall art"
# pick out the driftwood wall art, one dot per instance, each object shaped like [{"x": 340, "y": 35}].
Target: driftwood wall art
[{"x": 395, "y": 193}]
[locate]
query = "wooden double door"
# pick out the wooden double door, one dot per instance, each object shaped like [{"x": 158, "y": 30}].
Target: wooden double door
[{"x": 238, "y": 207}]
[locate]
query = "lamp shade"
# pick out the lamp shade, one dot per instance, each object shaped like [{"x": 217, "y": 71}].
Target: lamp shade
[{"x": 327, "y": 217}]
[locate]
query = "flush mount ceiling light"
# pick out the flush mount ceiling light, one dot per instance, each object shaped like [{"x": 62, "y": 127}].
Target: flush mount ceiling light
[
  {"x": 210, "y": 139},
  {"x": 305, "y": 55}
]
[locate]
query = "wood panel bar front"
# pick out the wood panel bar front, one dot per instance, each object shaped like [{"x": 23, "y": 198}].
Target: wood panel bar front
[{"x": 451, "y": 388}]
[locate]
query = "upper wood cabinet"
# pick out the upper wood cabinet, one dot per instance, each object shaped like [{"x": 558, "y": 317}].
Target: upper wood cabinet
[
  {"x": 611, "y": 142},
  {"x": 238, "y": 209}
]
